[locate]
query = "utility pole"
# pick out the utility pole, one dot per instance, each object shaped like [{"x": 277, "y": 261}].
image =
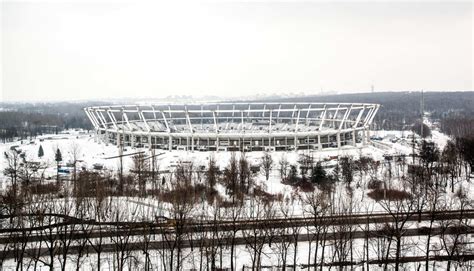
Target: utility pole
[
  {"x": 153, "y": 165},
  {"x": 422, "y": 110},
  {"x": 120, "y": 157},
  {"x": 120, "y": 154}
]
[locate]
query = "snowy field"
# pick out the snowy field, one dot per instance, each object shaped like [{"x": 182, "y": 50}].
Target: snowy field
[{"x": 91, "y": 152}]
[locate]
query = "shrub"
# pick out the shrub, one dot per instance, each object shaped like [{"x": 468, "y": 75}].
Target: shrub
[
  {"x": 374, "y": 184},
  {"x": 389, "y": 194},
  {"x": 305, "y": 186},
  {"x": 42, "y": 189},
  {"x": 265, "y": 196}
]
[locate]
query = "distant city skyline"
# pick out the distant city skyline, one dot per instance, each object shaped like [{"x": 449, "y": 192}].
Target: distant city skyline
[{"x": 77, "y": 51}]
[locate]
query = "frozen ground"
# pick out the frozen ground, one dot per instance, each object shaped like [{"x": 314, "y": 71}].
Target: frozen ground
[{"x": 92, "y": 153}]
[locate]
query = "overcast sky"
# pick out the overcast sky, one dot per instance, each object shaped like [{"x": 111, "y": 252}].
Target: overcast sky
[{"x": 57, "y": 51}]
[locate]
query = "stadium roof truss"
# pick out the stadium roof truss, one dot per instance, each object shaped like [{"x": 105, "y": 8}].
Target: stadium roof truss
[{"x": 233, "y": 120}]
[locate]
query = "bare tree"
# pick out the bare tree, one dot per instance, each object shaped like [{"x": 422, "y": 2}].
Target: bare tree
[
  {"x": 450, "y": 158},
  {"x": 12, "y": 169},
  {"x": 256, "y": 238},
  {"x": 317, "y": 206},
  {"x": 82, "y": 209},
  {"x": 122, "y": 238},
  {"x": 466, "y": 148},
  {"x": 215, "y": 246},
  {"x": 184, "y": 173},
  {"x": 288, "y": 210},
  {"x": 284, "y": 165},
  {"x": 234, "y": 212},
  {"x": 201, "y": 236},
  {"x": 400, "y": 212},
  {"x": 181, "y": 207},
  {"x": 245, "y": 174},
  {"x": 211, "y": 173},
  {"x": 27, "y": 171},
  {"x": 231, "y": 177},
  {"x": 267, "y": 164},
  {"x": 66, "y": 231},
  {"x": 48, "y": 233},
  {"x": 343, "y": 241},
  {"x": 434, "y": 202},
  {"x": 7, "y": 246},
  {"x": 20, "y": 232},
  {"x": 306, "y": 163},
  {"x": 453, "y": 232},
  {"x": 141, "y": 168},
  {"x": 362, "y": 166},
  {"x": 101, "y": 212},
  {"x": 75, "y": 153}
]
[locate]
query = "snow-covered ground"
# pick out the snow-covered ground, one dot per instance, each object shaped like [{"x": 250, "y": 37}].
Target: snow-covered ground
[{"x": 92, "y": 152}]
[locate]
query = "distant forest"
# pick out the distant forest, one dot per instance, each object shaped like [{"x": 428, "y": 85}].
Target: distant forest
[
  {"x": 27, "y": 120},
  {"x": 400, "y": 110}
]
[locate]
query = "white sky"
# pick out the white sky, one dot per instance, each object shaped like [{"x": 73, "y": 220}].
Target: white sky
[{"x": 57, "y": 51}]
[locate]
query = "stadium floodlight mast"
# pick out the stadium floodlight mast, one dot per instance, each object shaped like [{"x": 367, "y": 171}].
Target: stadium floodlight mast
[{"x": 251, "y": 126}]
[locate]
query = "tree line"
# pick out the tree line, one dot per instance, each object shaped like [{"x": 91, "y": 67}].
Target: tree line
[{"x": 26, "y": 121}]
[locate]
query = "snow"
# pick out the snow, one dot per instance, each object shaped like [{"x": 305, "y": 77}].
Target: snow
[{"x": 92, "y": 152}]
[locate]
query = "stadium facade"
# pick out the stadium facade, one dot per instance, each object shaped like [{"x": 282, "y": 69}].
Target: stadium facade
[{"x": 252, "y": 126}]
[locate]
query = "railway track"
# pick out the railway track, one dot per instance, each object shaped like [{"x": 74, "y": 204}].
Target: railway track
[
  {"x": 109, "y": 229},
  {"x": 224, "y": 241}
]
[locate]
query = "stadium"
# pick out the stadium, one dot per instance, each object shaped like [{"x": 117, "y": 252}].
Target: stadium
[{"x": 251, "y": 126}]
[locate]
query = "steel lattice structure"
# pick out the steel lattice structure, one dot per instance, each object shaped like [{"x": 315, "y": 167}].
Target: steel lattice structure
[{"x": 234, "y": 126}]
